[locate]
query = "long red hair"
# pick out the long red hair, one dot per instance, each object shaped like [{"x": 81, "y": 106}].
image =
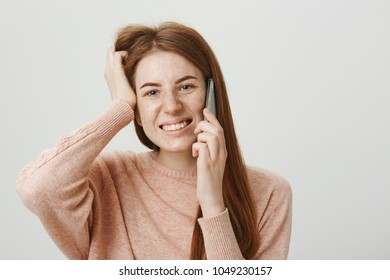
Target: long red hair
[{"x": 139, "y": 40}]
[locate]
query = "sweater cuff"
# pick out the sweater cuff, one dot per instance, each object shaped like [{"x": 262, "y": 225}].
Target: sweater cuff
[
  {"x": 118, "y": 115},
  {"x": 219, "y": 238}
]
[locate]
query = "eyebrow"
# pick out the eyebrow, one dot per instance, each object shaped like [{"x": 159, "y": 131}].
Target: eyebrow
[{"x": 188, "y": 77}]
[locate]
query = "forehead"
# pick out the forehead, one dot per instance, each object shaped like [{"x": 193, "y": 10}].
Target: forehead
[{"x": 164, "y": 66}]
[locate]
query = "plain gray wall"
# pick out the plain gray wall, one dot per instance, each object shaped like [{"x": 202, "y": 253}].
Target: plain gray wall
[{"x": 309, "y": 84}]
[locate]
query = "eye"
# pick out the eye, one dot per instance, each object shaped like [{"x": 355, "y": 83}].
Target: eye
[
  {"x": 151, "y": 93},
  {"x": 186, "y": 87}
]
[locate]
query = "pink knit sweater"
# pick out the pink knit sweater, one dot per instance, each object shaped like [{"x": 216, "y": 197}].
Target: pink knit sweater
[{"x": 123, "y": 205}]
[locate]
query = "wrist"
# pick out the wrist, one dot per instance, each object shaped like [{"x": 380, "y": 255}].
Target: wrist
[
  {"x": 130, "y": 102},
  {"x": 212, "y": 208}
]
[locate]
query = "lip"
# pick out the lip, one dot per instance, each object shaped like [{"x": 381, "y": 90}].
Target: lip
[
  {"x": 179, "y": 132},
  {"x": 175, "y": 121}
]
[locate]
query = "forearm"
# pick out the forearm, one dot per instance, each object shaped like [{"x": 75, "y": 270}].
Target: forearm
[
  {"x": 219, "y": 238},
  {"x": 69, "y": 162},
  {"x": 57, "y": 186}
]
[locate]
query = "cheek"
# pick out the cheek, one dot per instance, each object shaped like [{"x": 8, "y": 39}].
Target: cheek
[
  {"x": 196, "y": 106},
  {"x": 197, "y": 102},
  {"x": 145, "y": 113},
  {"x": 199, "y": 105}
]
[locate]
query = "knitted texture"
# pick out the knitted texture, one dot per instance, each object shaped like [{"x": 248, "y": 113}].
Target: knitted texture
[{"x": 124, "y": 205}]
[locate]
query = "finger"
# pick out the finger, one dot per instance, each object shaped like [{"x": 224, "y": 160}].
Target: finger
[
  {"x": 110, "y": 57},
  {"x": 195, "y": 150},
  {"x": 205, "y": 126},
  {"x": 200, "y": 150},
  {"x": 210, "y": 117},
  {"x": 214, "y": 128},
  {"x": 118, "y": 58},
  {"x": 212, "y": 142}
]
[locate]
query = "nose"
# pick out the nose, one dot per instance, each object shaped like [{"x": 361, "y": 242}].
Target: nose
[{"x": 171, "y": 103}]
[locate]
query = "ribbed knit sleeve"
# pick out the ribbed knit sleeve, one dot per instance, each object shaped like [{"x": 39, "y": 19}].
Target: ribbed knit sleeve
[
  {"x": 276, "y": 221},
  {"x": 57, "y": 186},
  {"x": 273, "y": 198},
  {"x": 220, "y": 241}
]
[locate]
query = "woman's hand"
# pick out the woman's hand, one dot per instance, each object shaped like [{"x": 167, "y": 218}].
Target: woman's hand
[
  {"x": 116, "y": 78},
  {"x": 211, "y": 152}
]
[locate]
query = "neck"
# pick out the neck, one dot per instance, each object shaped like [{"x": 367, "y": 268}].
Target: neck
[{"x": 183, "y": 161}]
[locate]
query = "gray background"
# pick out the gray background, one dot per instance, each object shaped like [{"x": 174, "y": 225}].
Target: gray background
[{"x": 309, "y": 88}]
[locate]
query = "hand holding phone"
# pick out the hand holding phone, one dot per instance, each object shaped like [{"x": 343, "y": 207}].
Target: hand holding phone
[{"x": 211, "y": 153}]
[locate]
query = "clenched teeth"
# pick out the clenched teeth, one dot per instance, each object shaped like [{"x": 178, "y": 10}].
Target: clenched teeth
[{"x": 173, "y": 127}]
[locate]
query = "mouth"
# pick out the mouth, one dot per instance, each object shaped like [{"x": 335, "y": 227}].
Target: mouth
[{"x": 176, "y": 126}]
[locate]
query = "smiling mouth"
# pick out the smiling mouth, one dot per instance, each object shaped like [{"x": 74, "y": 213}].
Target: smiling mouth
[{"x": 177, "y": 126}]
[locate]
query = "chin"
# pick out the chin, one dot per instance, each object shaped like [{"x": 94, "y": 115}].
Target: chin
[{"x": 178, "y": 147}]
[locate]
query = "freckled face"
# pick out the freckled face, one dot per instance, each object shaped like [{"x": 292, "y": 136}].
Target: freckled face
[{"x": 170, "y": 99}]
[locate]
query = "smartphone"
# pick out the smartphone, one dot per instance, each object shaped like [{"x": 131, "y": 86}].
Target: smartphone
[{"x": 210, "y": 97}]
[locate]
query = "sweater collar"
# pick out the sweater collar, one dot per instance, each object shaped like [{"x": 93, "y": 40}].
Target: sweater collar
[{"x": 150, "y": 162}]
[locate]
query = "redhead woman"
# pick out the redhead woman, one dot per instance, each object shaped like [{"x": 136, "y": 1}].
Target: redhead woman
[{"x": 190, "y": 197}]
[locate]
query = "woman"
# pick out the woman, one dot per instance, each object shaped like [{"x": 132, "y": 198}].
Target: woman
[{"x": 191, "y": 197}]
